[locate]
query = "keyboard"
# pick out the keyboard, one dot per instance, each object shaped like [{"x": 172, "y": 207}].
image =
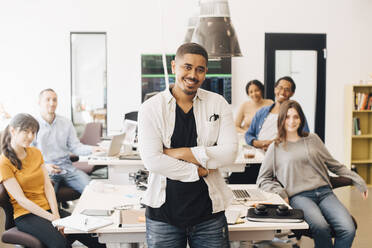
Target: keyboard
[
  {"x": 135, "y": 156},
  {"x": 249, "y": 195}
]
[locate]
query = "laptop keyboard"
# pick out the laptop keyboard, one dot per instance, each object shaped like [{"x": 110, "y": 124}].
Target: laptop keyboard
[{"x": 249, "y": 195}]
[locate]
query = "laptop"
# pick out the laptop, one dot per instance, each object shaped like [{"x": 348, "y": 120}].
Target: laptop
[
  {"x": 248, "y": 195},
  {"x": 114, "y": 147}
]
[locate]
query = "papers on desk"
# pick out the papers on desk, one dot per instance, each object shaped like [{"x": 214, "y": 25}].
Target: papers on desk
[{"x": 82, "y": 222}]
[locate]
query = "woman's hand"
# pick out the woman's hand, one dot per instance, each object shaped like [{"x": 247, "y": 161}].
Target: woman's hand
[
  {"x": 61, "y": 229},
  {"x": 286, "y": 200},
  {"x": 54, "y": 217},
  {"x": 365, "y": 195}
]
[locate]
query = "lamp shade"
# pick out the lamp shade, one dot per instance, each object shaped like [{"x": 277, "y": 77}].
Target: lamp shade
[{"x": 214, "y": 31}]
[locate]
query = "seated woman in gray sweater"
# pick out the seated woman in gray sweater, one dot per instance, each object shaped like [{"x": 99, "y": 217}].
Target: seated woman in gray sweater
[{"x": 300, "y": 162}]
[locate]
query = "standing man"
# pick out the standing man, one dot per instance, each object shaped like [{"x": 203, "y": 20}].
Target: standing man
[
  {"x": 185, "y": 134},
  {"x": 56, "y": 139},
  {"x": 263, "y": 129}
]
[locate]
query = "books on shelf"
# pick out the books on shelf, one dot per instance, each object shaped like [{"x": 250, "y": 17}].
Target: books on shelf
[
  {"x": 356, "y": 126},
  {"x": 362, "y": 101}
]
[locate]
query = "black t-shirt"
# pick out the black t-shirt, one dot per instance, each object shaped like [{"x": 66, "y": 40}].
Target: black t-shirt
[{"x": 186, "y": 203}]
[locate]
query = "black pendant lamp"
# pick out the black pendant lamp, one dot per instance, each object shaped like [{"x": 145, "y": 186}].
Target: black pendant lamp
[{"x": 214, "y": 30}]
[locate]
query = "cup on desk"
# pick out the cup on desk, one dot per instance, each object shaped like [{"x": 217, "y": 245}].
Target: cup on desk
[{"x": 249, "y": 152}]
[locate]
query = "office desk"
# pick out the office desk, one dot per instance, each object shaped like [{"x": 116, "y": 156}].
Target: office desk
[
  {"x": 118, "y": 168},
  {"x": 108, "y": 197}
]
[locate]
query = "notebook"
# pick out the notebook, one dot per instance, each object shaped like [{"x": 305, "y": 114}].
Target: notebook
[{"x": 82, "y": 222}]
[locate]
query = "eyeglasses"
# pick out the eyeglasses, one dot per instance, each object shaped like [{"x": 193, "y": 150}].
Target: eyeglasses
[{"x": 286, "y": 90}]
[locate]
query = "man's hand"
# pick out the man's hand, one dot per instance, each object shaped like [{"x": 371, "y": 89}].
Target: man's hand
[
  {"x": 202, "y": 172},
  {"x": 98, "y": 149},
  {"x": 53, "y": 169},
  {"x": 262, "y": 144}
]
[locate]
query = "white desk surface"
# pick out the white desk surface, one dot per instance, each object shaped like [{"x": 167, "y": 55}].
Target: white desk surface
[
  {"x": 98, "y": 195},
  {"x": 127, "y": 166}
]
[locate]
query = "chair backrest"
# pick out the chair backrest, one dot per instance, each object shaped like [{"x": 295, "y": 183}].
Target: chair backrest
[
  {"x": 131, "y": 116},
  {"x": 92, "y": 134},
  {"x": 8, "y": 208}
]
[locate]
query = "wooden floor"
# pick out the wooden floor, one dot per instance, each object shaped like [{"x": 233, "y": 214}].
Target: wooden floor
[{"x": 349, "y": 196}]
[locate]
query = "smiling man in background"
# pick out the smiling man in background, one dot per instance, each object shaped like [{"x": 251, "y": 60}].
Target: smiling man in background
[{"x": 56, "y": 140}]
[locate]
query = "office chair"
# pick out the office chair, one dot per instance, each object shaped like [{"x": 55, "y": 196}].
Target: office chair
[
  {"x": 12, "y": 235},
  {"x": 336, "y": 182},
  {"x": 91, "y": 136},
  {"x": 66, "y": 193}
]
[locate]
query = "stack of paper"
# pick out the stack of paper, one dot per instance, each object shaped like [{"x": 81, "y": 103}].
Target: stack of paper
[{"x": 82, "y": 222}]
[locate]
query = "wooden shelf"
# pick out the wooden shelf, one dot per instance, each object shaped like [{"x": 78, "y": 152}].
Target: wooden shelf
[
  {"x": 362, "y": 111},
  {"x": 358, "y": 148},
  {"x": 362, "y": 161},
  {"x": 363, "y": 136},
  {"x": 362, "y": 85}
]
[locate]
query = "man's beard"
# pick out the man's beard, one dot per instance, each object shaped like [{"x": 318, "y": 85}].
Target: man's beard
[{"x": 189, "y": 93}]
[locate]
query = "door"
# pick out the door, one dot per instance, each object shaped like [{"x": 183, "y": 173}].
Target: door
[
  {"x": 302, "y": 57},
  {"x": 88, "y": 79}
]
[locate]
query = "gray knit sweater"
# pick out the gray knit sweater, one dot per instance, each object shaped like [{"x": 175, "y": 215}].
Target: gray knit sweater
[{"x": 300, "y": 166}]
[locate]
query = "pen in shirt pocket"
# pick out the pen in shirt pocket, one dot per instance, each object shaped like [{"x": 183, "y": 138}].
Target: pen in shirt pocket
[{"x": 214, "y": 117}]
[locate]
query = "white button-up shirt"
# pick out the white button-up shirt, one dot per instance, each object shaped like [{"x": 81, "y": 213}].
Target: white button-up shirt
[
  {"x": 57, "y": 140},
  {"x": 217, "y": 145}
]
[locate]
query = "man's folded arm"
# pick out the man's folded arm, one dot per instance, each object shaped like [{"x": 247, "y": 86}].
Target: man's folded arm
[
  {"x": 225, "y": 150},
  {"x": 152, "y": 154}
]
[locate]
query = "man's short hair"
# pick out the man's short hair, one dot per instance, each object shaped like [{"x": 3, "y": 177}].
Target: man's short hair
[
  {"x": 192, "y": 48},
  {"x": 46, "y": 90},
  {"x": 289, "y": 79}
]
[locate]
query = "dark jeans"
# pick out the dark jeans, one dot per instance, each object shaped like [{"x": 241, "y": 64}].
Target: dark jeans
[
  {"x": 43, "y": 230},
  {"x": 249, "y": 176},
  {"x": 208, "y": 234}
]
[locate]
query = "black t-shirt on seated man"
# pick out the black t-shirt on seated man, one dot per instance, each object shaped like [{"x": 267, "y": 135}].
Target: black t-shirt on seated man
[{"x": 186, "y": 203}]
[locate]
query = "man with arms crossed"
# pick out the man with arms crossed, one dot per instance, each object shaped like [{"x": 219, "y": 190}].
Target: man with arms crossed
[
  {"x": 56, "y": 139},
  {"x": 185, "y": 134}
]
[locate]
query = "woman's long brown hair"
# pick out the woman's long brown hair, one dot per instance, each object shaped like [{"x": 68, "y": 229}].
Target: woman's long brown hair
[
  {"x": 282, "y": 133},
  {"x": 22, "y": 122}
]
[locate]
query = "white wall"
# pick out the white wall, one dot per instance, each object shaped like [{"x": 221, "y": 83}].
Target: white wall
[{"x": 34, "y": 46}]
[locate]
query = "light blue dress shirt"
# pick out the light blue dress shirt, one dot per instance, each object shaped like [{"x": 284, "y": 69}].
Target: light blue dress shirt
[{"x": 57, "y": 141}]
